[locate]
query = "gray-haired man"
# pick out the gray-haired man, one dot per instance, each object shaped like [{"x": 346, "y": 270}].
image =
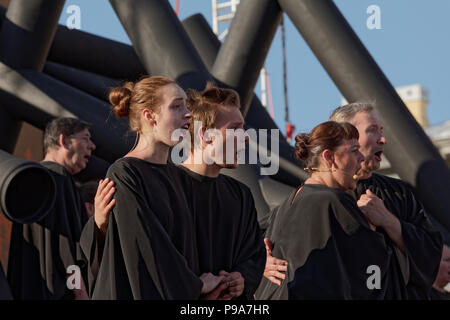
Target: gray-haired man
[
  {"x": 42, "y": 252},
  {"x": 393, "y": 209}
]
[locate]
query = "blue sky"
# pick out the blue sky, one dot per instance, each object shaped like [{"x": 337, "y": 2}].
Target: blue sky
[{"x": 411, "y": 47}]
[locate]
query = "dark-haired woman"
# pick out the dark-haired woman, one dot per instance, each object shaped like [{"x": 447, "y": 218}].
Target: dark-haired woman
[
  {"x": 149, "y": 250},
  {"x": 332, "y": 250}
]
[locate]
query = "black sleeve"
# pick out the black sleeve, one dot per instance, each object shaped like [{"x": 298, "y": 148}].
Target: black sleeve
[
  {"x": 423, "y": 244},
  {"x": 251, "y": 259},
  {"x": 139, "y": 260},
  {"x": 443, "y": 230},
  {"x": 92, "y": 244},
  {"x": 5, "y": 292}
]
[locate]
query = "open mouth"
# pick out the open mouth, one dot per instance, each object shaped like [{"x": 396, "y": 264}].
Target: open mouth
[
  {"x": 378, "y": 155},
  {"x": 186, "y": 126}
]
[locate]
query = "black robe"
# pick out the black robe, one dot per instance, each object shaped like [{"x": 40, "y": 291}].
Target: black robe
[
  {"x": 5, "y": 291},
  {"x": 41, "y": 252},
  {"x": 227, "y": 231},
  {"x": 329, "y": 246},
  {"x": 149, "y": 252},
  {"x": 422, "y": 241}
]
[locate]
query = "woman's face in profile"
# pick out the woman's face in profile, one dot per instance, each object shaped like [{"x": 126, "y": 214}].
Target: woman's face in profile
[
  {"x": 347, "y": 162},
  {"x": 173, "y": 114}
]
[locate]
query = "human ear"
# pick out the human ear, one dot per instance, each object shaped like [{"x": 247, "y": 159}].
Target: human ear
[
  {"x": 328, "y": 156},
  {"x": 149, "y": 116},
  {"x": 63, "y": 141},
  {"x": 202, "y": 133}
]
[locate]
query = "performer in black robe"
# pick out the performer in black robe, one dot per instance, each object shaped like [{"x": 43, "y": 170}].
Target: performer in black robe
[
  {"x": 41, "y": 252},
  {"x": 423, "y": 242},
  {"x": 228, "y": 236},
  {"x": 149, "y": 250},
  {"x": 329, "y": 246}
]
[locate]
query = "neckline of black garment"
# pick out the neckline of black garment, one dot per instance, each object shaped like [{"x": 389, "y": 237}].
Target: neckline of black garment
[
  {"x": 367, "y": 180},
  {"x": 162, "y": 165},
  {"x": 321, "y": 186},
  {"x": 195, "y": 175},
  {"x": 61, "y": 169}
]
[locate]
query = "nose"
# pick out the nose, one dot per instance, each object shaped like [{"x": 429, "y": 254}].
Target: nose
[
  {"x": 92, "y": 146},
  {"x": 188, "y": 113},
  {"x": 382, "y": 139},
  {"x": 361, "y": 157}
]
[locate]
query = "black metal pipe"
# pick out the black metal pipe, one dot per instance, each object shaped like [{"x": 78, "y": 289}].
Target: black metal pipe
[
  {"x": 27, "y": 32},
  {"x": 27, "y": 189},
  {"x": 37, "y": 98},
  {"x": 358, "y": 77},
  {"x": 244, "y": 51},
  {"x": 86, "y": 51},
  {"x": 203, "y": 38},
  {"x": 91, "y": 83},
  {"x": 161, "y": 42}
]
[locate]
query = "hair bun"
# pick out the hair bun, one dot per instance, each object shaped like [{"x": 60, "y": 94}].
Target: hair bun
[
  {"x": 302, "y": 146},
  {"x": 120, "y": 98}
]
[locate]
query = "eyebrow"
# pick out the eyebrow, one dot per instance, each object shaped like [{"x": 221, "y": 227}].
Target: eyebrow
[
  {"x": 176, "y": 99},
  {"x": 237, "y": 123}
]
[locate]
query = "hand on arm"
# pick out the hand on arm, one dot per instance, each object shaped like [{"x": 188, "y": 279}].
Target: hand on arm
[
  {"x": 378, "y": 216},
  {"x": 274, "y": 267},
  {"x": 104, "y": 204},
  {"x": 443, "y": 276}
]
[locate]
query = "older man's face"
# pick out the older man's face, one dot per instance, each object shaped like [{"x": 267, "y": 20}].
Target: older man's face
[
  {"x": 80, "y": 150},
  {"x": 371, "y": 140}
]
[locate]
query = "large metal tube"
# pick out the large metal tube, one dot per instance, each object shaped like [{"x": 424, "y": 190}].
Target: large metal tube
[
  {"x": 244, "y": 51},
  {"x": 75, "y": 48},
  {"x": 37, "y": 98},
  {"x": 96, "y": 54},
  {"x": 208, "y": 45},
  {"x": 27, "y": 32},
  {"x": 91, "y": 83},
  {"x": 358, "y": 77},
  {"x": 161, "y": 42},
  {"x": 203, "y": 38},
  {"x": 27, "y": 189}
]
